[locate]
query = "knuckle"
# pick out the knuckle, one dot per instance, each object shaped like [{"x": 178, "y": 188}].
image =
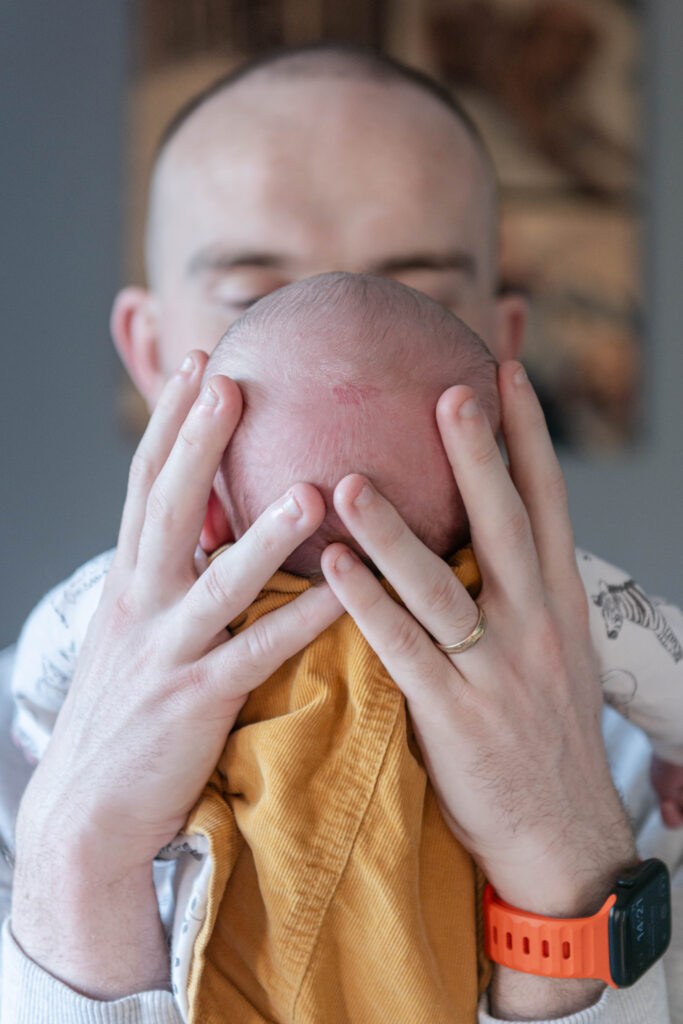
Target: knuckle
[
  {"x": 262, "y": 538},
  {"x": 517, "y": 527},
  {"x": 258, "y": 641},
  {"x": 548, "y": 639},
  {"x": 462, "y": 625},
  {"x": 441, "y": 593},
  {"x": 372, "y": 604},
  {"x": 123, "y": 606},
  {"x": 486, "y": 456},
  {"x": 124, "y": 613},
  {"x": 217, "y": 588},
  {"x": 159, "y": 508},
  {"x": 141, "y": 474},
  {"x": 393, "y": 532},
  {"x": 186, "y": 438},
  {"x": 407, "y": 639},
  {"x": 195, "y": 678},
  {"x": 303, "y": 612}
]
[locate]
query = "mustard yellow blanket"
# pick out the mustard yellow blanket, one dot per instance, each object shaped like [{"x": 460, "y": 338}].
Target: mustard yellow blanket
[{"x": 338, "y": 894}]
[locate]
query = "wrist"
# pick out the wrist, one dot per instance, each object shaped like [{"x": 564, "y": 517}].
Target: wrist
[
  {"x": 566, "y": 881},
  {"x": 50, "y": 819},
  {"x": 96, "y": 929},
  {"x": 543, "y": 963},
  {"x": 515, "y": 995}
]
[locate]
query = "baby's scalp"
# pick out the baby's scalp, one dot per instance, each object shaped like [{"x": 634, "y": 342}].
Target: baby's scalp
[{"x": 341, "y": 373}]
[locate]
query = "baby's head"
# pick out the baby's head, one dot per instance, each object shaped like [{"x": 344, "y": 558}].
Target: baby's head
[{"x": 340, "y": 374}]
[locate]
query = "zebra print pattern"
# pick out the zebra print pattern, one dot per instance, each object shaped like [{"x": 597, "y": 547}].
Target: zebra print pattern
[{"x": 626, "y": 601}]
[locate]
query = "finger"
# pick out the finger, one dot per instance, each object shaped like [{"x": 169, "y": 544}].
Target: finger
[
  {"x": 424, "y": 582},
  {"x": 176, "y": 505},
  {"x": 499, "y": 524},
  {"x": 235, "y": 668},
  {"x": 234, "y": 579},
  {"x": 418, "y": 668},
  {"x": 537, "y": 476},
  {"x": 174, "y": 403}
]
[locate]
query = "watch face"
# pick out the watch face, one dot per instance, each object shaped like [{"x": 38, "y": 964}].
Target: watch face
[{"x": 640, "y": 921}]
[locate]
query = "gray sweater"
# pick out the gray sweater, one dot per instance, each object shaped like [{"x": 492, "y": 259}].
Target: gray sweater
[{"x": 30, "y": 995}]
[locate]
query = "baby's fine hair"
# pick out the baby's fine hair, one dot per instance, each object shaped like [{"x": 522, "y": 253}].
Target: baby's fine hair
[
  {"x": 371, "y": 317},
  {"x": 341, "y": 373}
]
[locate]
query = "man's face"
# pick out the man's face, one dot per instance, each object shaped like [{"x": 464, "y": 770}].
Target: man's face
[{"x": 282, "y": 178}]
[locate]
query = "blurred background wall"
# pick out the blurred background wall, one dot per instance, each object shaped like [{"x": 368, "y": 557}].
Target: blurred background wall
[
  {"x": 63, "y": 458},
  {"x": 69, "y": 156}
]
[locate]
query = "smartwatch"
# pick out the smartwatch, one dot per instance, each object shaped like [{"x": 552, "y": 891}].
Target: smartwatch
[{"x": 617, "y": 945}]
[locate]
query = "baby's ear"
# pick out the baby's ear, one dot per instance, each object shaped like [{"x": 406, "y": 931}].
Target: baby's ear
[
  {"x": 134, "y": 329},
  {"x": 216, "y": 530}
]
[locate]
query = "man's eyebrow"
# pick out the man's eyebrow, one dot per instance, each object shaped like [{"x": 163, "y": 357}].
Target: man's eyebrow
[
  {"x": 215, "y": 259},
  {"x": 464, "y": 262}
]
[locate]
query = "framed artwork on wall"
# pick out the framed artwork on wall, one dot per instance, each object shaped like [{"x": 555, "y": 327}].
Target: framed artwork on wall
[{"x": 554, "y": 86}]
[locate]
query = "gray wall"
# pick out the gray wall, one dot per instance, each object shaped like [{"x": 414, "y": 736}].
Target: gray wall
[
  {"x": 62, "y": 460},
  {"x": 629, "y": 510}
]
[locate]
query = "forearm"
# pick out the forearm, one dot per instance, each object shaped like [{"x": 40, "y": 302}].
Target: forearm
[
  {"x": 515, "y": 996},
  {"x": 644, "y": 1001},
  {"x": 96, "y": 929}
]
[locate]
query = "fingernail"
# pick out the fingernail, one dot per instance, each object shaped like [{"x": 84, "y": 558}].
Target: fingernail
[
  {"x": 209, "y": 397},
  {"x": 187, "y": 366},
  {"x": 519, "y": 377},
  {"x": 469, "y": 409},
  {"x": 344, "y": 562},
  {"x": 364, "y": 496},
  {"x": 291, "y": 507}
]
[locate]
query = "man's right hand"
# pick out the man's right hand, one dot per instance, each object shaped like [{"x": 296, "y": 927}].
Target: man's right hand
[{"x": 157, "y": 689}]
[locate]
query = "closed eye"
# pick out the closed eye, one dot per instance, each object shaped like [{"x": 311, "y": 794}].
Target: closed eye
[{"x": 241, "y": 304}]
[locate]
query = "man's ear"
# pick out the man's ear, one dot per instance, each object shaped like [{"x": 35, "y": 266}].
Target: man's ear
[
  {"x": 511, "y": 315},
  {"x": 216, "y": 530},
  {"x": 134, "y": 328}
]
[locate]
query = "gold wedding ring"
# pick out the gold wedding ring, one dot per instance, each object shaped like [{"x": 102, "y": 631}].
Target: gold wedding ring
[
  {"x": 219, "y": 551},
  {"x": 469, "y": 641}
]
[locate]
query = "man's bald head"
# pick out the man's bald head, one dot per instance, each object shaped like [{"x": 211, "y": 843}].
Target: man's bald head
[
  {"x": 328, "y": 60},
  {"x": 341, "y": 373},
  {"x": 250, "y": 93}
]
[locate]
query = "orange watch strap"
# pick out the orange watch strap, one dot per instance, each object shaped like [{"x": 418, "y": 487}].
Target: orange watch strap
[{"x": 573, "y": 947}]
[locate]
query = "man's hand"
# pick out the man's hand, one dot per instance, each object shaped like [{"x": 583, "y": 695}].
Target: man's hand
[
  {"x": 157, "y": 689},
  {"x": 510, "y": 729}
]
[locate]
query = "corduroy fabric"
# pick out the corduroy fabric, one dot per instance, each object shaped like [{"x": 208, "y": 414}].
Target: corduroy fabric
[{"x": 338, "y": 893}]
